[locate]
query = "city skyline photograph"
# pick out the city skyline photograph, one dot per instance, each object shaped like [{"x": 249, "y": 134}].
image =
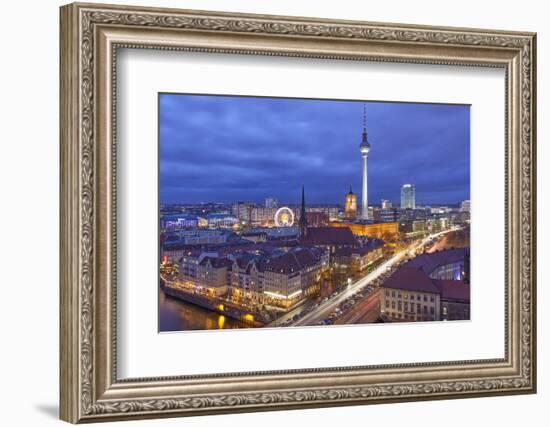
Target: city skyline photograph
[{"x": 291, "y": 212}]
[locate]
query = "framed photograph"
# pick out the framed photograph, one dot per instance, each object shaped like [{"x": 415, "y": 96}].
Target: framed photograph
[{"x": 266, "y": 212}]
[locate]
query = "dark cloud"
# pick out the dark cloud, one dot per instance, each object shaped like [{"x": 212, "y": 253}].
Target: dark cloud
[{"x": 223, "y": 149}]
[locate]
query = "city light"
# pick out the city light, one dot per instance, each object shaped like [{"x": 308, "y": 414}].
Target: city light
[
  {"x": 290, "y": 248},
  {"x": 284, "y": 217},
  {"x": 280, "y": 296}
]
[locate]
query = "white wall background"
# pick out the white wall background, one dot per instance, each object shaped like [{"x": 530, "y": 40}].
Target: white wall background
[{"x": 29, "y": 170}]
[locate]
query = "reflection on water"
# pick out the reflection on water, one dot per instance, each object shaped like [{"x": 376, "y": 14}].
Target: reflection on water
[{"x": 177, "y": 315}]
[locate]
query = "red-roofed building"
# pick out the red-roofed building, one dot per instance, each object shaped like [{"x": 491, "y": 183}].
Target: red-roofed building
[
  {"x": 410, "y": 294},
  {"x": 356, "y": 259},
  {"x": 329, "y": 238},
  {"x": 455, "y": 299},
  {"x": 278, "y": 279}
]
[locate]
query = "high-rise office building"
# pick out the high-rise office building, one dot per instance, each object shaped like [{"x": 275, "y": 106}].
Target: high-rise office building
[
  {"x": 408, "y": 196},
  {"x": 385, "y": 204}
]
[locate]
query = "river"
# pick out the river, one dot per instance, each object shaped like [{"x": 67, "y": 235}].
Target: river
[{"x": 177, "y": 315}]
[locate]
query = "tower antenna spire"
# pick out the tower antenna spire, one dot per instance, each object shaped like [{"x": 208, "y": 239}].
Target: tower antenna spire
[{"x": 364, "y": 139}]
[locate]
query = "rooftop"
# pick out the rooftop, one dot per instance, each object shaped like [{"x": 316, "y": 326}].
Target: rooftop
[
  {"x": 430, "y": 261},
  {"x": 364, "y": 249},
  {"x": 454, "y": 290},
  {"x": 216, "y": 262},
  {"x": 416, "y": 280},
  {"x": 292, "y": 261},
  {"x": 329, "y": 236},
  {"x": 411, "y": 279}
]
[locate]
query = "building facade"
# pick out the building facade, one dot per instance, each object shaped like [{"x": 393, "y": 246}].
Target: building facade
[
  {"x": 357, "y": 259},
  {"x": 263, "y": 216},
  {"x": 281, "y": 280},
  {"x": 386, "y": 215},
  {"x": 455, "y": 299},
  {"x": 425, "y": 291},
  {"x": 384, "y": 231},
  {"x": 178, "y": 221},
  {"x": 211, "y": 275},
  {"x": 243, "y": 211},
  {"x": 410, "y": 295},
  {"x": 271, "y": 203},
  {"x": 350, "y": 206},
  {"x": 408, "y": 196},
  {"x": 331, "y": 212},
  {"x": 221, "y": 220}
]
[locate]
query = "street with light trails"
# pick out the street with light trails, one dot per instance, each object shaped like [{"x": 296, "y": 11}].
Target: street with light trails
[{"x": 324, "y": 309}]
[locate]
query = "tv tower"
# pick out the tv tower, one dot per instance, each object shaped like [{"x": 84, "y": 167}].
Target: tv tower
[{"x": 364, "y": 148}]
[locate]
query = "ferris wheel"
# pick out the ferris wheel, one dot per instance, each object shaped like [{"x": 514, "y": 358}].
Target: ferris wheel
[{"x": 284, "y": 217}]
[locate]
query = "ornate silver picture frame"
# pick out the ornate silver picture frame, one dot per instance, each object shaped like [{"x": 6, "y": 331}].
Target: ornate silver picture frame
[{"x": 91, "y": 35}]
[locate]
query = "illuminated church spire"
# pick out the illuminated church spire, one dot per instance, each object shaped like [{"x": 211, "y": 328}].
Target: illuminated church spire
[
  {"x": 364, "y": 148},
  {"x": 303, "y": 220}
]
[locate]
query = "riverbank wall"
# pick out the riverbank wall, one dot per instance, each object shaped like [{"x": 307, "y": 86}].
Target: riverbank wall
[{"x": 213, "y": 304}]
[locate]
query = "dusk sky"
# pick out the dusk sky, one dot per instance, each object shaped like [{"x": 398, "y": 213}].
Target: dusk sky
[{"x": 228, "y": 148}]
